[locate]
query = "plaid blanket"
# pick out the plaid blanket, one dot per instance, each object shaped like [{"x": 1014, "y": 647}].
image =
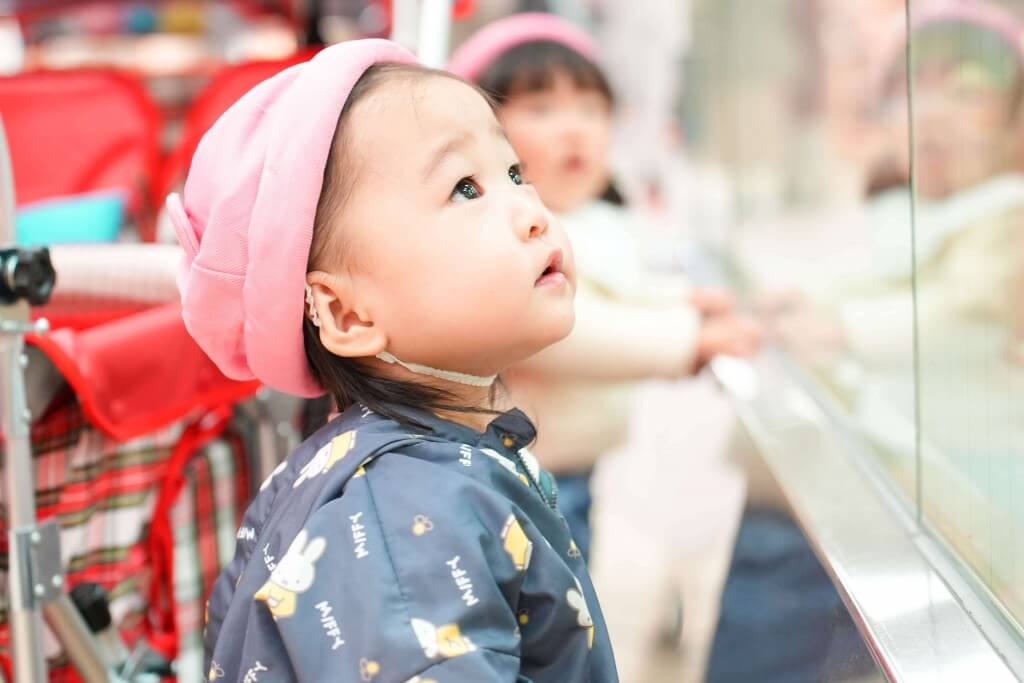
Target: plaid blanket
[
  {"x": 103, "y": 492},
  {"x": 206, "y": 519}
]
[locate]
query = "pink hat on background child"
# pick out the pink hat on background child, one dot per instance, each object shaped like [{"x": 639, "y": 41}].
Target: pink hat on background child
[
  {"x": 976, "y": 12},
  {"x": 246, "y": 218},
  {"x": 488, "y": 44},
  {"x": 979, "y": 13}
]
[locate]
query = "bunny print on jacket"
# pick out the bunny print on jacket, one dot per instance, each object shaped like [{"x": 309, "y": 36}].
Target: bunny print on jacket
[
  {"x": 294, "y": 574},
  {"x": 387, "y": 552}
]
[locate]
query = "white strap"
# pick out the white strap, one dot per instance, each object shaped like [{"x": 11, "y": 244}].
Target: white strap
[{"x": 458, "y": 377}]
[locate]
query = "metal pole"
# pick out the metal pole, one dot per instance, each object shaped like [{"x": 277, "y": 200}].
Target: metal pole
[
  {"x": 26, "y": 625},
  {"x": 23, "y": 612},
  {"x": 435, "y": 32},
  {"x": 78, "y": 640},
  {"x": 405, "y": 22}
]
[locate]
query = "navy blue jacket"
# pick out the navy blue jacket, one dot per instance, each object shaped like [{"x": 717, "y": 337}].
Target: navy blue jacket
[{"x": 385, "y": 553}]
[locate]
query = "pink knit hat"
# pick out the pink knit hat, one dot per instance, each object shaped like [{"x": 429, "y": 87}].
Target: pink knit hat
[
  {"x": 974, "y": 12},
  {"x": 971, "y": 12},
  {"x": 246, "y": 220},
  {"x": 485, "y": 46}
]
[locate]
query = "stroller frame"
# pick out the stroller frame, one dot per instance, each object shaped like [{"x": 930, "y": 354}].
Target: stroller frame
[{"x": 36, "y": 575}]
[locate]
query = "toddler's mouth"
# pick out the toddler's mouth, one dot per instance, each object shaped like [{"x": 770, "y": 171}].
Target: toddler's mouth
[{"x": 552, "y": 273}]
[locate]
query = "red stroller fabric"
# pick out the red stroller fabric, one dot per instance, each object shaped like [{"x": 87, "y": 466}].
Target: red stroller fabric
[
  {"x": 140, "y": 373},
  {"x": 147, "y": 418},
  {"x": 81, "y": 130},
  {"x": 223, "y": 90}
]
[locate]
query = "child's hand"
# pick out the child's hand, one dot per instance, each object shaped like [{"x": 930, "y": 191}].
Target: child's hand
[
  {"x": 781, "y": 302},
  {"x": 729, "y": 335},
  {"x": 1015, "y": 351},
  {"x": 808, "y": 335},
  {"x": 711, "y": 302},
  {"x": 792, "y": 321}
]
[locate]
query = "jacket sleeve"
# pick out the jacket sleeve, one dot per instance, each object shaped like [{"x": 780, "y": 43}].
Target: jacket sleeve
[
  {"x": 614, "y": 341},
  {"x": 385, "y": 584}
]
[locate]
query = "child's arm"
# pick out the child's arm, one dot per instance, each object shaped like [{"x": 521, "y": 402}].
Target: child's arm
[
  {"x": 618, "y": 342},
  {"x": 614, "y": 341}
]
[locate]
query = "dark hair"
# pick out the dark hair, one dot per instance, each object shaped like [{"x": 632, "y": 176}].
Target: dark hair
[
  {"x": 531, "y": 67},
  {"x": 349, "y": 381}
]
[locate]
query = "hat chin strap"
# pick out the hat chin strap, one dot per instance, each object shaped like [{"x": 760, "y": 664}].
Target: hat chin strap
[{"x": 448, "y": 375}]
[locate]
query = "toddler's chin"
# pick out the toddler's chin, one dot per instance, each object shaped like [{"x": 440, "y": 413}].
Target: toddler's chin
[
  {"x": 557, "y": 329},
  {"x": 542, "y": 334}
]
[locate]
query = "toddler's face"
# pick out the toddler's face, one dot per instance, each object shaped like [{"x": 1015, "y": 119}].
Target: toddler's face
[
  {"x": 453, "y": 257},
  {"x": 562, "y": 134},
  {"x": 966, "y": 132},
  {"x": 966, "y": 119}
]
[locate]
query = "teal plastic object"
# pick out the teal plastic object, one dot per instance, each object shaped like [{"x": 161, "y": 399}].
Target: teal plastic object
[{"x": 79, "y": 219}]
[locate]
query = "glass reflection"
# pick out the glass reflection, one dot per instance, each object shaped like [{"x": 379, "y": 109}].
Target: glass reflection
[
  {"x": 967, "y": 82},
  {"x": 917, "y": 229}
]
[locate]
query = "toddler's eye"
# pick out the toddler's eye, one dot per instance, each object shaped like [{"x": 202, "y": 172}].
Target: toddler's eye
[
  {"x": 465, "y": 189},
  {"x": 515, "y": 172}
]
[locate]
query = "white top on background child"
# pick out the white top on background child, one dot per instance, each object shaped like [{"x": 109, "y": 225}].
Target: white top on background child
[{"x": 556, "y": 106}]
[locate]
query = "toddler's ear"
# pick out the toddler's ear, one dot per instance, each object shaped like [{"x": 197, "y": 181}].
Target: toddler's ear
[{"x": 346, "y": 329}]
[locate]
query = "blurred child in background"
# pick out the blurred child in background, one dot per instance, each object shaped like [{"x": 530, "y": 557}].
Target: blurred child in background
[{"x": 556, "y": 106}]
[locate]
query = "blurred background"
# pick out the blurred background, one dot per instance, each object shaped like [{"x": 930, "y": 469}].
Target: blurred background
[{"x": 854, "y": 169}]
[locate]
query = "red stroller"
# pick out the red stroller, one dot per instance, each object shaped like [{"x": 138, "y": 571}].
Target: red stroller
[{"x": 139, "y": 444}]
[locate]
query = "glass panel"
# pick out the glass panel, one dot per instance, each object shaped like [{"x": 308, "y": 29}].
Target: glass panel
[
  {"x": 798, "y": 122},
  {"x": 797, "y": 109},
  {"x": 968, "y": 130}
]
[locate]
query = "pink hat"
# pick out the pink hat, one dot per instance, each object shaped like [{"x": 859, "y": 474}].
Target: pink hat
[
  {"x": 485, "y": 46},
  {"x": 973, "y": 12},
  {"x": 246, "y": 220}
]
